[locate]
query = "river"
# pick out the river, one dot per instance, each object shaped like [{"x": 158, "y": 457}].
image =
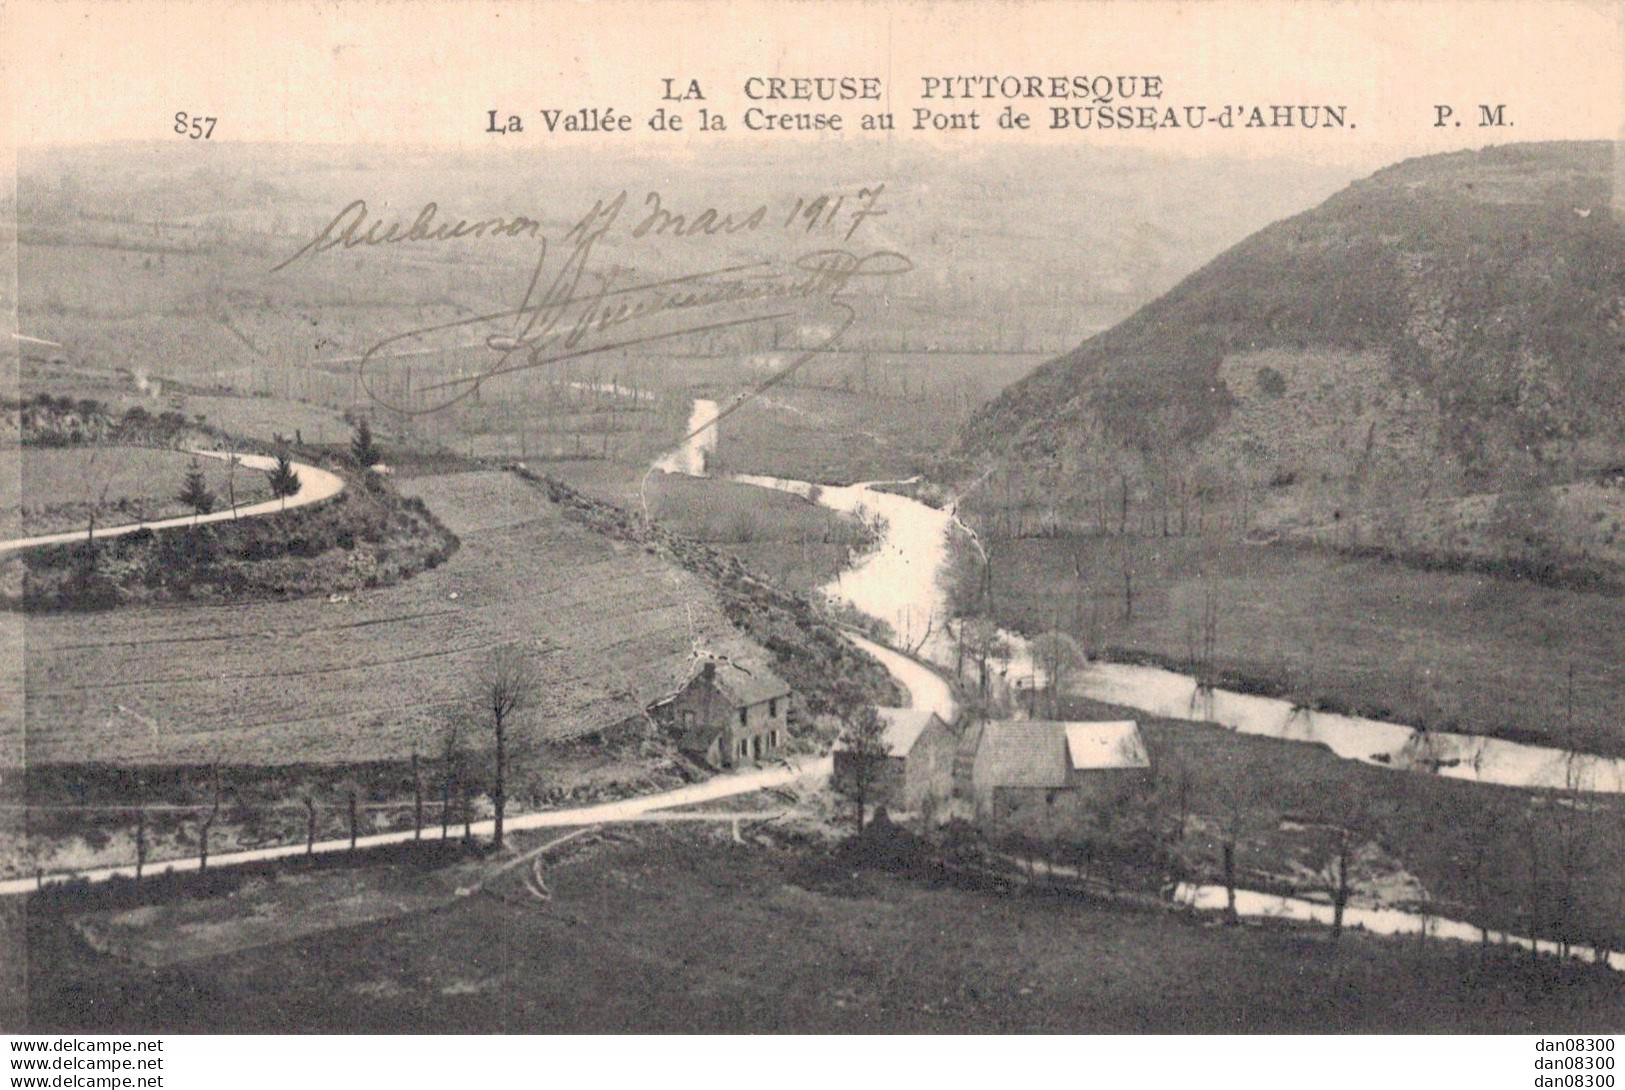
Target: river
[{"x": 903, "y": 583}]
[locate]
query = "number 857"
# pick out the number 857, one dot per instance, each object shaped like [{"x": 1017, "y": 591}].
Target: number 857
[{"x": 201, "y": 128}]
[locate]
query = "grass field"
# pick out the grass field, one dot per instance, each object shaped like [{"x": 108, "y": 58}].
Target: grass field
[
  {"x": 1475, "y": 850},
  {"x": 1448, "y": 650},
  {"x": 374, "y": 676},
  {"x": 61, "y": 487},
  {"x": 872, "y": 415},
  {"x": 794, "y": 543},
  {"x": 684, "y": 932}
]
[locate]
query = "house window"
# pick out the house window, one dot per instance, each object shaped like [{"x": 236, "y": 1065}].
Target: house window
[
  {"x": 743, "y": 743},
  {"x": 773, "y": 708},
  {"x": 744, "y": 716},
  {"x": 772, "y": 739}
]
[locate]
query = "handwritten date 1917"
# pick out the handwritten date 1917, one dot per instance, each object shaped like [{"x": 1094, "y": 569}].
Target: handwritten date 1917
[{"x": 822, "y": 213}]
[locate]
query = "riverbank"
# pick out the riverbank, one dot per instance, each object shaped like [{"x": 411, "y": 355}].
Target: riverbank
[{"x": 1456, "y": 652}]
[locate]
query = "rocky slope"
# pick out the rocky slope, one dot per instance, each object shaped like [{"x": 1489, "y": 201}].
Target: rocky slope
[{"x": 1451, "y": 325}]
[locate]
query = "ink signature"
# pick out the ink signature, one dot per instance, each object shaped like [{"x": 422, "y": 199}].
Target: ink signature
[{"x": 570, "y": 310}]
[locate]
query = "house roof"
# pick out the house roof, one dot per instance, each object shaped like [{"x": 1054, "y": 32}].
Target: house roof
[
  {"x": 744, "y": 684},
  {"x": 1115, "y": 744},
  {"x": 903, "y": 728},
  {"x": 1043, "y": 753}
]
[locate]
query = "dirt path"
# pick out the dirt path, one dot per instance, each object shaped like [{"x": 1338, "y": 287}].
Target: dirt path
[{"x": 315, "y": 485}]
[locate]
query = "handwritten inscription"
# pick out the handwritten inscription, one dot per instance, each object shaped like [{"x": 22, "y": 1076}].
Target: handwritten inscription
[{"x": 571, "y": 308}]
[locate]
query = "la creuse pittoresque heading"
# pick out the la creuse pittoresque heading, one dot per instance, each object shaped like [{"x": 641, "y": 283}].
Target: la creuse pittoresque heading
[{"x": 941, "y": 104}]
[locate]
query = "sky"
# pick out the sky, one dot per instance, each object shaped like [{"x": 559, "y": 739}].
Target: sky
[{"x": 379, "y": 72}]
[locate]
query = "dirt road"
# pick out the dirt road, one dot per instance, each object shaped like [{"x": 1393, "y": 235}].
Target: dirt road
[{"x": 315, "y": 485}]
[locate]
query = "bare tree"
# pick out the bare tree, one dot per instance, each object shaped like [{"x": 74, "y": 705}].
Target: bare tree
[
  {"x": 1485, "y": 834},
  {"x": 982, "y": 640},
  {"x": 1235, "y": 821},
  {"x": 1570, "y": 850},
  {"x": 1172, "y": 780},
  {"x": 417, "y": 798},
  {"x": 504, "y": 688},
  {"x": 232, "y": 461},
  {"x": 1059, "y": 657},
  {"x": 1342, "y": 849},
  {"x": 1246, "y": 805},
  {"x": 208, "y": 822},
  {"x": 453, "y": 772},
  {"x": 1570, "y": 846},
  {"x": 140, "y": 825}
]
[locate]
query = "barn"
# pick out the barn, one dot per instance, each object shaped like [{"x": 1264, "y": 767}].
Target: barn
[{"x": 1044, "y": 777}]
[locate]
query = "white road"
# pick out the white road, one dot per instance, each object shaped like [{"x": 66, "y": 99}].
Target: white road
[
  {"x": 315, "y": 485},
  {"x": 720, "y": 787},
  {"x": 927, "y": 689}
]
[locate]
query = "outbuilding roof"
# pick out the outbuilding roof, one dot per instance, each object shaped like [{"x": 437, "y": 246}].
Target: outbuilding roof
[
  {"x": 903, "y": 728},
  {"x": 1044, "y": 753},
  {"x": 1114, "y": 744}
]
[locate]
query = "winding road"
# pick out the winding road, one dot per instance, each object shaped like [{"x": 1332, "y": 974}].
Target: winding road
[
  {"x": 315, "y": 485},
  {"x": 926, "y": 688}
]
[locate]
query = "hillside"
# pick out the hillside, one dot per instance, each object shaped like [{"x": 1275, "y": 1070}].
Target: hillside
[
  {"x": 371, "y": 676},
  {"x": 1451, "y": 325}
]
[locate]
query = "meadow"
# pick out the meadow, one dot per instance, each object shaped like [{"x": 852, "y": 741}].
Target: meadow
[
  {"x": 790, "y": 541},
  {"x": 634, "y": 920},
  {"x": 854, "y": 414},
  {"x": 1449, "y": 650}
]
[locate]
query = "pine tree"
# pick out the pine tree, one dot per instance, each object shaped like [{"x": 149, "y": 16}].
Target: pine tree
[
  {"x": 362, "y": 448},
  {"x": 863, "y": 740},
  {"x": 195, "y": 493},
  {"x": 284, "y": 478}
]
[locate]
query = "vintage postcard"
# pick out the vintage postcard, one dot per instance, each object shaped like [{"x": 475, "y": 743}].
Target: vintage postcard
[{"x": 773, "y": 518}]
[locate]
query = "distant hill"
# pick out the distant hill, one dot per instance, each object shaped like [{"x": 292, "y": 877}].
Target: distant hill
[{"x": 1452, "y": 324}]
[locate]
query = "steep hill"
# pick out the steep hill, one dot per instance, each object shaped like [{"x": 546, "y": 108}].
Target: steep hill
[{"x": 1453, "y": 324}]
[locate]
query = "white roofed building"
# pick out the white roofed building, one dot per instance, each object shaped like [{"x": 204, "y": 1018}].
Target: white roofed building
[{"x": 1043, "y": 776}]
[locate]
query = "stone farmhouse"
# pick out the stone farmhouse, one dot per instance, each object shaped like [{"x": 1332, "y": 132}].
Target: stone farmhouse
[{"x": 730, "y": 714}]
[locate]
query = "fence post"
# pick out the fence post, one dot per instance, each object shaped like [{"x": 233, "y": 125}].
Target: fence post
[{"x": 352, "y": 818}]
